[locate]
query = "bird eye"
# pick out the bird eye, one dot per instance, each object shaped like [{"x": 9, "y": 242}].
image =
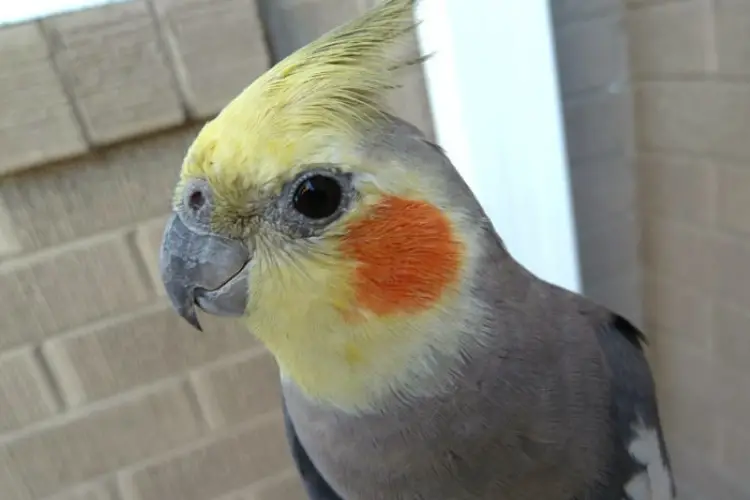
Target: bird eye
[{"x": 317, "y": 197}]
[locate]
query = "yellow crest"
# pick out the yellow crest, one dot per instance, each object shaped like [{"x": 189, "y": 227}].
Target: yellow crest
[{"x": 334, "y": 85}]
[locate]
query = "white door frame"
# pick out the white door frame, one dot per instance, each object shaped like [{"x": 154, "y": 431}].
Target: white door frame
[
  {"x": 17, "y": 12},
  {"x": 492, "y": 83}
]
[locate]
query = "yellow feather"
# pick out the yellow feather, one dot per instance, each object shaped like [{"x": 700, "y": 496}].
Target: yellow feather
[
  {"x": 327, "y": 91},
  {"x": 305, "y": 312},
  {"x": 317, "y": 105}
]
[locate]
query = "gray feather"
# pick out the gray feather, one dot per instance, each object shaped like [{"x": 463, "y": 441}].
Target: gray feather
[{"x": 551, "y": 398}]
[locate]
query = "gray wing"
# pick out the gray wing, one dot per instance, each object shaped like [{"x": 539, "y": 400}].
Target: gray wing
[
  {"x": 640, "y": 467},
  {"x": 316, "y": 486}
]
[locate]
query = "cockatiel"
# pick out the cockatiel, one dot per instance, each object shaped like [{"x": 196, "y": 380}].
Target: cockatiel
[{"x": 418, "y": 359}]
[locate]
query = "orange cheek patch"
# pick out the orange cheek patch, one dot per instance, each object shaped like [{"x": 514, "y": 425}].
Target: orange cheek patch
[{"x": 406, "y": 255}]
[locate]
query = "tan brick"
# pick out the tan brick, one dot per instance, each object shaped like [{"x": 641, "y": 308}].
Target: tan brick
[
  {"x": 38, "y": 123},
  {"x": 704, "y": 479},
  {"x": 682, "y": 364},
  {"x": 640, "y": 4},
  {"x": 598, "y": 126},
  {"x": 679, "y": 253},
  {"x": 731, "y": 340},
  {"x": 9, "y": 243},
  {"x": 294, "y": 23},
  {"x": 12, "y": 486},
  {"x": 731, "y": 385},
  {"x": 289, "y": 489},
  {"x": 691, "y": 419},
  {"x": 100, "y": 490},
  {"x": 736, "y": 452},
  {"x": 66, "y": 289},
  {"x": 677, "y": 188},
  {"x": 732, "y": 27},
  {"x": 733, "y": 192},
  {"x": 286, "y": 486},
  {"x": 112, "y": 62},
  {"x": 695, "y": 117},
  {"x": 670, "y": 38},
  {"x": 216, "y": 468},
  {"x": 602, "y": 188},
  {"x": 121, "y": 186},
  {"x": 686, "y": 314},
  {"x": 148, "y": 239},
  {"x": 97, "y": 442},
  {"x": 566, "y": 10},
  {"x": 364, "y": 4},
  {"x": 213, "y": 65},
  {"x": 687, "y": 395},
  {"x": 609, "y": 250},
  {"x": 592, "y": 54},
  {"x": 239, "y": 391},
  {"x": 732, "y": 273},
  {"x": 137, "y": 349},
  {"x": 672, "y": 115},
  {"x": 621, "y": 294},
  {"x": 25, "y": 395}
]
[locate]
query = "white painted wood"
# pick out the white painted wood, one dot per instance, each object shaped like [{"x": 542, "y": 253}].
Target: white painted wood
[
  {"x": 492, "y": 83},
  {"x": 12, "y": 12}
]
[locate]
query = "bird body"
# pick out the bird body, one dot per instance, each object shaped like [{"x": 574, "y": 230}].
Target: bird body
[{"x": 418, "y": 358}]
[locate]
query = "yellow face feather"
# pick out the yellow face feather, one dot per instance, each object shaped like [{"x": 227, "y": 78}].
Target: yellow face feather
[
  {"x": 325, "y": 92},
  {"x": 306, "y": 305}
]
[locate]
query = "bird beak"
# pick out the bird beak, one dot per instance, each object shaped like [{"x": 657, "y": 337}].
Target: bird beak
[{"x": 204, "y": 270}]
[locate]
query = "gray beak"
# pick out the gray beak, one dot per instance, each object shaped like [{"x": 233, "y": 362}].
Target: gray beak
[{"x": 205, "y": 270}]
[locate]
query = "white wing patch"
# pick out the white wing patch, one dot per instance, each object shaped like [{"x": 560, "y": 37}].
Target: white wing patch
[
  {"x": 655, "y": 483},
  {"x": 638, "y": 488}
]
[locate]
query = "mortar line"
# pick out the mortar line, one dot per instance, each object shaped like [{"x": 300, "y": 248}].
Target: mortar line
[
  {"x": 53, "y": 47},
  {"x": 53, "y": 382}
]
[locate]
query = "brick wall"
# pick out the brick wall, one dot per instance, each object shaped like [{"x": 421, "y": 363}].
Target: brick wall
[
  {"x": 656, "y": 98},
  {"x": 690, "y": 61},
  {"x": 592, "y": 58},
  {"x": 105, "y": 394}
]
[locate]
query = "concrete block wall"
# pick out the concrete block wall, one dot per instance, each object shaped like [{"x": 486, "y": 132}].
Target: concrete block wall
[
  {"x": 105, "y": 394},
  {"x": 690, "y": 65},
  {"x": 591, "y": 46},
  {"x": 656, "y": 97}
]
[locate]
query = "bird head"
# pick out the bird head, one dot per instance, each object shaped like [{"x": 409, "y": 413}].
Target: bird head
[{"x": 341, "y": 236}]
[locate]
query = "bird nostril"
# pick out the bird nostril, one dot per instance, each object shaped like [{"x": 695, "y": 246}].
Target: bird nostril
[{"x": 196, "y": 200}]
